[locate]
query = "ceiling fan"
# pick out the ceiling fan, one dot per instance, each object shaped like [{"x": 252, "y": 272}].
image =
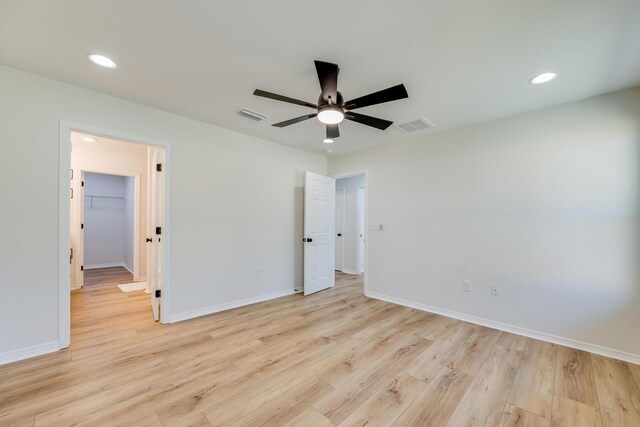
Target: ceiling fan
[{"x": 331, "y": 108}]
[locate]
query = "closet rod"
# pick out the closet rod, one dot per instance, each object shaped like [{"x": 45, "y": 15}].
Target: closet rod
[{"x": 102, "y": 197}]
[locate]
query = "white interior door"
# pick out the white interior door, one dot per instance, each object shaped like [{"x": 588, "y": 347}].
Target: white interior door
[
  {"x": 79, "y": 224},
  {"x": 151, "y": 158},
  {"x": 339, "y": 234},
  {"x": 361, "y": 229},
  {"x": 155, "y": 221},
  {"x": 319, "y": 228}
]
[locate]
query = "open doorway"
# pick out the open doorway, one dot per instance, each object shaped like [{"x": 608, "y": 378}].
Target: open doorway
[
  {"x": 111, "y": 219},
  {"x": 110, "y": 213},
  {"x": 350, "y": 220},
  {"x": 335, "y": 235},
  {"x": 116, "y": 221}
]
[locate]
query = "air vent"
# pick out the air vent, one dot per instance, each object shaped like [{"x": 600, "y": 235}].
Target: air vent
[
  {"x": 248, "y": 114},
  {"x": 414, "y": 125}
]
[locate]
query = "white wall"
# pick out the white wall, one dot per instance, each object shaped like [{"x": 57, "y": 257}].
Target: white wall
[
  {"x": 544, "y": 204},
  {"x": 236, "y": 205},
  {"x": 129, "y": 212},
  {"x": 104, "y": 221},
  {"x": 350, "y": 234}
]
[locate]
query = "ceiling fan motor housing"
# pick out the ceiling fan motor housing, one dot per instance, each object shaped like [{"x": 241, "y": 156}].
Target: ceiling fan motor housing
[{"x": 339, "y": 101}]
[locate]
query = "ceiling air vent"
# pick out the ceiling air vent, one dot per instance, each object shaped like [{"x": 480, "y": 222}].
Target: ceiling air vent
[
  {"x": 248, "y": 114},
  {"x": 414, "y": 125}
]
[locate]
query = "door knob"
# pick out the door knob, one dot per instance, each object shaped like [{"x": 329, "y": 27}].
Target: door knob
[
  {"x": 339, "y": 234},
  {"x": 309, "y": 240}
]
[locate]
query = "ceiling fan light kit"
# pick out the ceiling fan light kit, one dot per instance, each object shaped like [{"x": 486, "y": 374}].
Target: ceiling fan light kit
[
  {"x": 331, "y": 108},
  {"x": 330, "y": 115}
]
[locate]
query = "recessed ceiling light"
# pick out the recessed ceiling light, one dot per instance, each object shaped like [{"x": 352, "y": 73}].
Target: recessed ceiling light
[
  {"x": 328, "y": 141},
  {"x": 542, "y": 78},
  {"x": 88, "y": 139},
  {"x": 102, "y": 61}
]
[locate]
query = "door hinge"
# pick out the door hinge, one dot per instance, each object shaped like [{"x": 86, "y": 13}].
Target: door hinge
[
  {"x": 158, "y": 293},
  {"x": 158, "y": 230},
  {"x": 82, "y": 226},
  {"x": 71, "y": 256},
  {"x": 82, "y": 184},
  {"x": 82, "y": 268},
  {"x": 159, "y": 167},
  {"x": 71, "y": 192}
]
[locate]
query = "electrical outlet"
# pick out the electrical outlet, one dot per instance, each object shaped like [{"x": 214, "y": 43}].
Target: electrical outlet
[
  {"x": 466, "y": 286},
  {"x": 495, "y": 290}
]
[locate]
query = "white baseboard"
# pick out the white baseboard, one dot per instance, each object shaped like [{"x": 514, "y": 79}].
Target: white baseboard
[
  {"x": 346, "y": 271},
  {"x": 28, "y": 352},
  {"x": 128, "y": 267},
  {"x": 229, "y": 305},
  {"x": 542, "y": 336},
  {"x": 105, "y": 265}
]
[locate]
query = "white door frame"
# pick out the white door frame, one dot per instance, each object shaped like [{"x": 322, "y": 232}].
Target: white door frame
[
  {"x": 366, "y": 218},
  {"x": 335, "y": 233},
  {"x": 64, "y": 182},
  {"x": 359, "y": 266},
  {"x": 136, "y": 216},
  {"x": 76, "y": 231}
]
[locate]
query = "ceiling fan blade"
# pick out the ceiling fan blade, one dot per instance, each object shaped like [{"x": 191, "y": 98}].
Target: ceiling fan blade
[
  {"x": 282, "y": 98},
  {"x": 368, "y": 120},
  {"x": 294, "y": 121},
  {"x": 333, "y": 131},
  {"x": 328, "y": 77},
  {"x": 386, "y": 95}
]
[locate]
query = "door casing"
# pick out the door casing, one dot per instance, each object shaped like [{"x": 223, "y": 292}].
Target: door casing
[
  {"x": 361, "y": 228},
  {"x": 366, "y": 217},
  {"x": 64, "y": 179},
  {"x": 79, "y": 218},
  {"x": 340, "y": 228}
]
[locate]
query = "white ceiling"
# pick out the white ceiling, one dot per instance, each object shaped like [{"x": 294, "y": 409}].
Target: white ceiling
[{"x": 462, "y": 62}]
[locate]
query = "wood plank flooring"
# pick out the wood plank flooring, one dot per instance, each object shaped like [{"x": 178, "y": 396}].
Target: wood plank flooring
[{"x": 334, "y": 358}]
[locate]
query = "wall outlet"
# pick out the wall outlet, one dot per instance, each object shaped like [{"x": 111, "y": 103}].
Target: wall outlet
[
  {"x": 466, "y": 286},
  {"x": 495, "y": 290}
]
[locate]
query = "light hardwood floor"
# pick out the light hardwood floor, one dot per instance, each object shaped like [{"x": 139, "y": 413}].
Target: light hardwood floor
[{"x": 334, "y": 358}]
